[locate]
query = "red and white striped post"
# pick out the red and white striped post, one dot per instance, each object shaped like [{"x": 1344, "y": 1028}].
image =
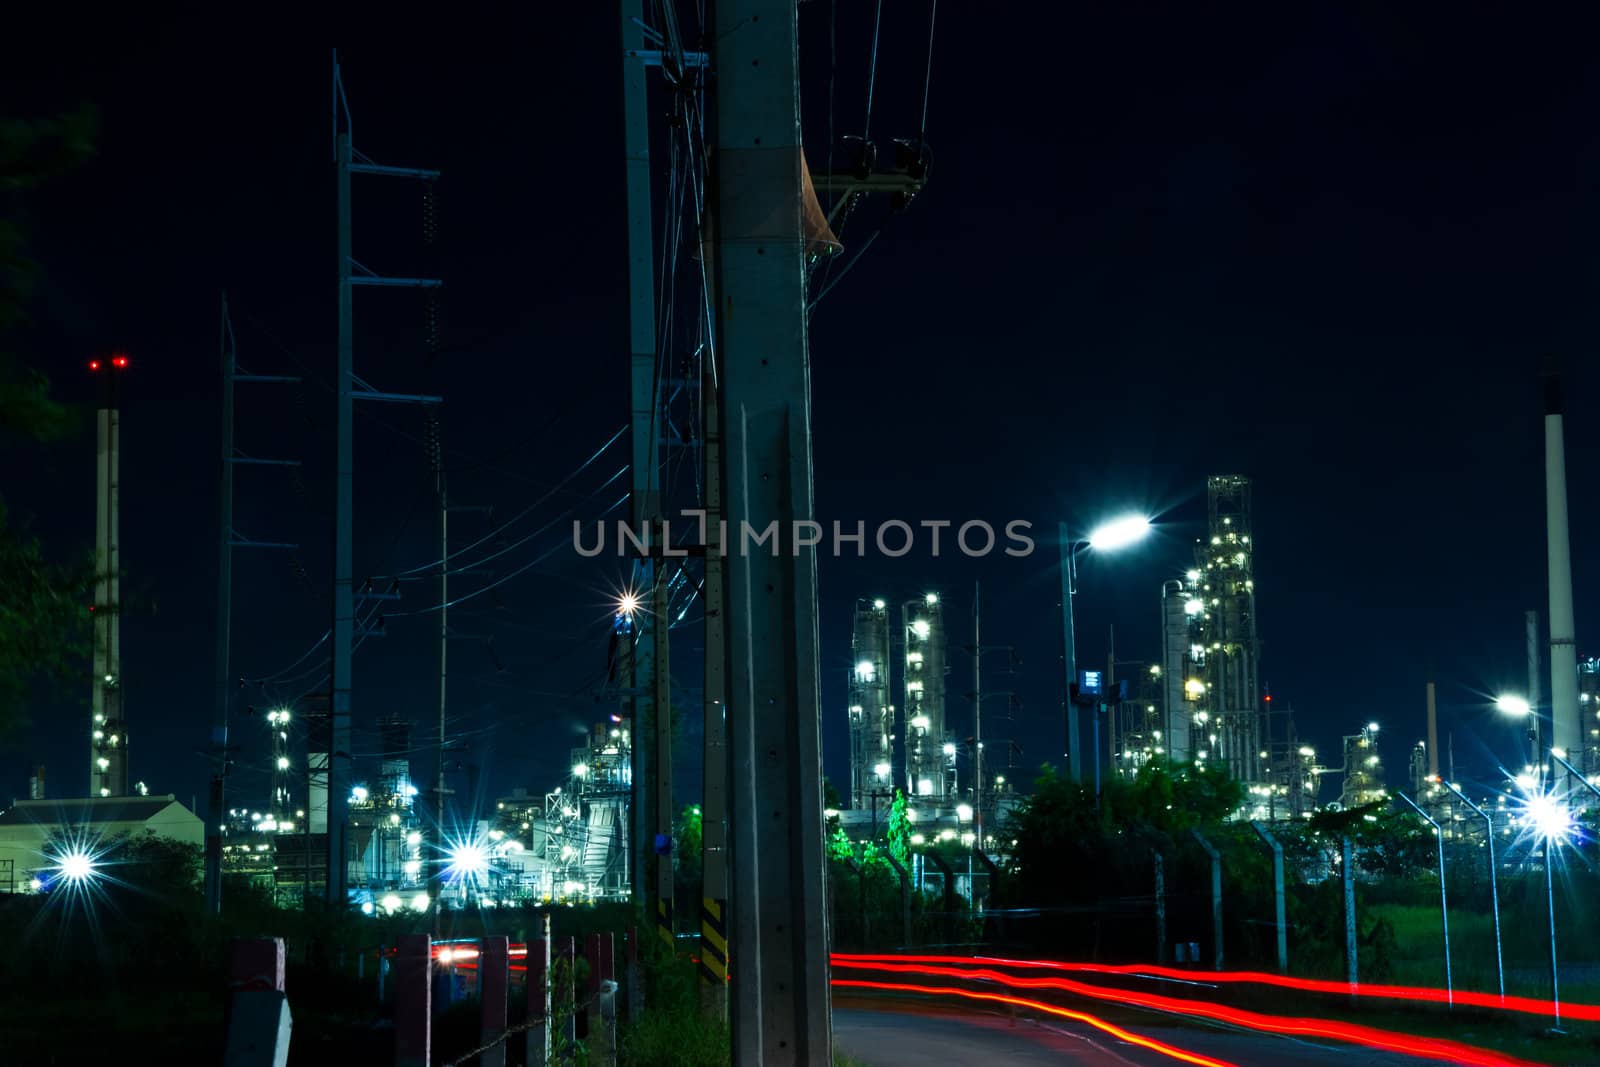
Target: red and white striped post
[
  {"x": 413, "y": 1001},
  {"x": 258, "y": 1023},
  {"x": 538, "y": 1042},
  {"x": 494, "y": 966}
]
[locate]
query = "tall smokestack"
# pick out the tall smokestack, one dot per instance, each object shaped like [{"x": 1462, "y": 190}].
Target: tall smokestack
[
  {"x": 1565, "y": 732},
  {"x": 108, "y": 736},
  {"x": 1433, "y": 734}
]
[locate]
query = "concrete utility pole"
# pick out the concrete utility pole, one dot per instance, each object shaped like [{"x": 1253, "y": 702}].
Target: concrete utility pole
[
  {"x": 645, "y": 434},
  {"x": 1279, "y": 913},
  {"x": 782, "y": 1011},
  {"x": 714, "y": 804}
]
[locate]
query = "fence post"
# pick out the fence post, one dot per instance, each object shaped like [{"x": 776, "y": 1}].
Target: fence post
[
  {"x": 413, "y": 1001},
  {"x": 1161, "y": 905},
  {"x": 635, "y": 976},
  {"x": 603, "y": 988},
  {"x": 494, "y": 964},
  {"x": 1349, "y": 874},
  {"x": 538, "y": 1040},
  {"x": 1216, "y": 898},
  {"x": 905, "y": 900},
  {"x": 259, "y": 1023},
  {"x": 567, "y": 950},
  {"x": 1277, "y": 889},
  {"x": 949, "y": 894}
]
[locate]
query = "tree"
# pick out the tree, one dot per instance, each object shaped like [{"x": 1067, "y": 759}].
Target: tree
[
  {"x": 899, "y": 829},
  {"x": 43, "y": 631}
]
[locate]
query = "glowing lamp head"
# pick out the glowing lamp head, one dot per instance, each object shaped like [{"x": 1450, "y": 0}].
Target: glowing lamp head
[
  {"x": 627, "y": 604},
  {"x": 881, "y": 770},
  {"x": 1119, "y": 533},
  {"x": 1550, "y": 817},
  {"x": 964, "y": 812},
  {"x": 1514, "y": 705},
  {"x": 76, "y": 866}
]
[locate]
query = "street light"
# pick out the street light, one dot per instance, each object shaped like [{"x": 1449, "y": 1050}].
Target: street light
[
  {"x": 1107, "y": 537},
  {"x": 1552, "y": 824},
  {"x": 1519, "y": 708}
]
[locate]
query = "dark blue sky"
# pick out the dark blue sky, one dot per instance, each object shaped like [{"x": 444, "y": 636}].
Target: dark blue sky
[{"x": 1324, "y": 246}]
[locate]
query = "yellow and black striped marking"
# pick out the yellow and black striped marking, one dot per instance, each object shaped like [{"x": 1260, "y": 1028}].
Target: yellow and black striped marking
[
  {"x": 713, "y": 941},
  {"x": 664, "y": 920}
]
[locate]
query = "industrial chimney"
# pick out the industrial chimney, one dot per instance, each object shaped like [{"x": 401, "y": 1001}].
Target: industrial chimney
[
  {"x": 108, "y": 735},
  {"x": 1565, "y": 733}
]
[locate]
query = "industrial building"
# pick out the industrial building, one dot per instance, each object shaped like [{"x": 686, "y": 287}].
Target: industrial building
[
  {"x": 872, "y": 721},
  {"x": 35, "y": 834},
  {"x": 1363, "y": 770},
  {"x": 930, "y": 754},
  {"x": 583, "y": 846}
]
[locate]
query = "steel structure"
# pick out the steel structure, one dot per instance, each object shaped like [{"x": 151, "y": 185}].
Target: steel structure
[
  {"x": 227, "y": 540},
  {"x": 930, "y": 754},
  {"x": 586, "y": 821},
  {"x": 1363, "y": 770},
  {"x": 348, "y": 386},
  {"x": 1222, "y": 675},
  {"x": 870, "y": 711}
]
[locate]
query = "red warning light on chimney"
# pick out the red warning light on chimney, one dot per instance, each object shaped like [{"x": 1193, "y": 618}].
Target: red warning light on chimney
[
  {"x": 119, "y": 361},
  {"x": 94, "y": 364}
]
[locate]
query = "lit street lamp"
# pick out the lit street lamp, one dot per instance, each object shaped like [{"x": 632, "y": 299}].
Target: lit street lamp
[
  {"x": 1552, "y": 824},
  {"x": 1108, "y": 537},
  {"x": 1519, "y": 708}
]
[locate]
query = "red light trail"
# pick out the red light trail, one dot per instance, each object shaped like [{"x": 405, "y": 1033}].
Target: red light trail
[
  {"x": 1420, "y": 994},
  {"x": 1037, "y": 1005},
  {"x": 1351, "y": 1033}
]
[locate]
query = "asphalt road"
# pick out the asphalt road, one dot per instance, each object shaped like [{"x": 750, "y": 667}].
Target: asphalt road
[{"x": 900, "y": 1034}]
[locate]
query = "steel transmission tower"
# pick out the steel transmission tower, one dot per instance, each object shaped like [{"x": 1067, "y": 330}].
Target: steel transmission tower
[
  {"x": 227, "y": 540},
  {"x": 348, "y": 161}
]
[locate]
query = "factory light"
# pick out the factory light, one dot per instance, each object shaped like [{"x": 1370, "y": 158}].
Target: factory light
[
  {"x": 925, "y": 787},
  {"x": 879, "y": 605},
  {"x": 366, "y": 907},
  {"x": 1193, "y": 576},
  {"x": 918, "y": 839},
  {"x": 920, "y": 722},
  {"x": 1194, "y": 688},
  {"x": 932, "y": 598},
  {"x": 283, "y": 763},
  {"x": 412, "y": 868},
  {"x": 580, "y": 770},
  {"x": 864, "y": 671},
  {"x": 1000, "y": 779},
  {"x": 964, "y": 812},
  {"x": 1155, "y": 670},
  {"x": 358, "y": 794},
  {"x": 420, "y": 902},
  {"x": 1119, "y": 533},
  {"x": 394, "y": 820},
  {"x": 949, "y": 749},
  {"x": 881, "y": 770},
  {"x": 1513, "y": 705},
  {"x": 921, "y": 628},
  {"x": 102, "y": 763},
  {"x": 1192, "y": 606},
  {"x": 1372, "y": 727},
  {"x": 1550, "y": 817},
  {"x": 390, "y": 903},
  {"x": 76, "y": 866},
  {"x": 627, "y": 604}
]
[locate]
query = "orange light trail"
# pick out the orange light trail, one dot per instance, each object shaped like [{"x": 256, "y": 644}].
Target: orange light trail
[
  {"x": 1350, "y": 1033},
  {"x": 1022, "y": 1002},
  {"x": 1421, "y": 994}
]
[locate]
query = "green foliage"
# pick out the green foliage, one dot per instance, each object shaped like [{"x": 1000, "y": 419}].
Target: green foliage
[
  {"x": 43, "y": 629},
  {"x": 899, "y": 829},
  {"x": 672, "y": 1033},
  {"x": 839, "y": 846},
  {"x": 687, "y": 841}
]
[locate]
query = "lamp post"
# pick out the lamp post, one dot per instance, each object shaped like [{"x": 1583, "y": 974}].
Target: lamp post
[
  {"x": 1552, "y": 824},
  {"x": 1444, "y": 902},
  {"x": 1519, "y": 708},
  {"x": 1494, "y": 887},
  {"x": 1108, "y": 537}
]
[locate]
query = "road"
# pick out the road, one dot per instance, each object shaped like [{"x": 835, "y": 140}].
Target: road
[{"x": 899, "y": 1034}]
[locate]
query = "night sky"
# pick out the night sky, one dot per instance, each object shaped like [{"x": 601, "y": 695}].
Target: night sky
[{"x": 1329, "y": 248}]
